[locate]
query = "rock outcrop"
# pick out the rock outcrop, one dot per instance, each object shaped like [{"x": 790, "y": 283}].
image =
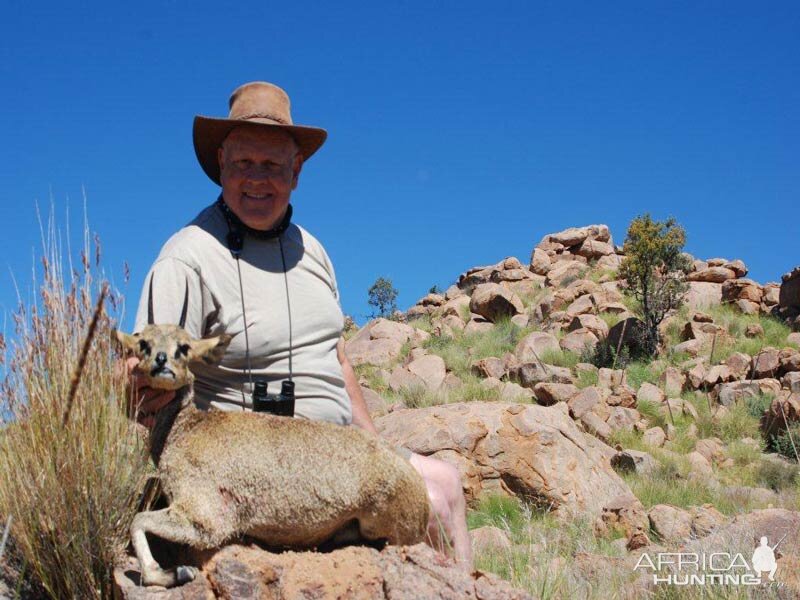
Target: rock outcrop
[
  {"x": 396, "y": 573},
  {"x": 534, "y": 452}
]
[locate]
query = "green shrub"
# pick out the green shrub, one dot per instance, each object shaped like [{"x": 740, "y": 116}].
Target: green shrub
[
  {"x": 777, "y": 475},
  {"x": 655, "y": 269},
  {"x": 787, "y": 443}
]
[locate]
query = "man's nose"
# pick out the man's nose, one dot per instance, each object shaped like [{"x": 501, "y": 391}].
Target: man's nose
[{"x": 161, "y": 359}]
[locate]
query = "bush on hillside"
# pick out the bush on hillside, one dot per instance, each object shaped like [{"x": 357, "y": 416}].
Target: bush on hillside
[{"x": 655, "y": 269}]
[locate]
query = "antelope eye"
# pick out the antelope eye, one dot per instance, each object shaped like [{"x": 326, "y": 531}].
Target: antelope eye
[
  {"x": 183, "y": 350},
  {"x": 144, "y": 347}
]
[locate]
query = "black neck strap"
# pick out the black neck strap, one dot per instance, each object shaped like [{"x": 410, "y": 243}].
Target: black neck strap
[{"x": 236, "y": 225}]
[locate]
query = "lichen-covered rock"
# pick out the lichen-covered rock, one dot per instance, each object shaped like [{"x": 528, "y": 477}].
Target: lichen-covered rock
[
  {"x": 396, "y": 573},
  {"x": 531, "y": 451}
]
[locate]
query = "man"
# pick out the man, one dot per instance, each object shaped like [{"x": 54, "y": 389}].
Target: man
[{"x": 250, "y": 272}]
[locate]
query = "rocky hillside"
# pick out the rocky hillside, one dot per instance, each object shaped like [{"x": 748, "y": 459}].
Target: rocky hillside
[{"x": 574, "y": 470}]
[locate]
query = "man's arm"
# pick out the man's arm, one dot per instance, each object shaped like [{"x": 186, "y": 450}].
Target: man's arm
[{"x": 361, "y": 416}]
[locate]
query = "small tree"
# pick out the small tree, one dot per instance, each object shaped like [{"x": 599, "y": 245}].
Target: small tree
[
  {"x": 382, "y": 296},
  {"x": 655, "y": 269}
]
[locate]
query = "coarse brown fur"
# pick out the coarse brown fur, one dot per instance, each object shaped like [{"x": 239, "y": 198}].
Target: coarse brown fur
[{"x": 284, "y": 481}]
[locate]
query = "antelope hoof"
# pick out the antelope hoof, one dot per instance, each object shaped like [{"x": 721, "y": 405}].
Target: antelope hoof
[{"x": 185, "y": 574}]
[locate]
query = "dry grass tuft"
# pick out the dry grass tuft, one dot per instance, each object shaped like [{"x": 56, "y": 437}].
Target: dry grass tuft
[{"x": 71, "y": 485}]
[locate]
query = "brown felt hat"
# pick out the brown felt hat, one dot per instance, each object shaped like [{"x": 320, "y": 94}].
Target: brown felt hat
[{"x": 259, "y": 104}]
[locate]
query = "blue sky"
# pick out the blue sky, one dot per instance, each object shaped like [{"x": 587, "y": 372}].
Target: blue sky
[{"x": 459, "y": 133}]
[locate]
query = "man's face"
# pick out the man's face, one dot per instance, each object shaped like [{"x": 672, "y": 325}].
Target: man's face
[{"x": 258, "y": 171}]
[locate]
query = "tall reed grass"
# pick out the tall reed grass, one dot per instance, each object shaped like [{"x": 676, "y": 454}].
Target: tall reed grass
[{"x": 70, "y": 485}]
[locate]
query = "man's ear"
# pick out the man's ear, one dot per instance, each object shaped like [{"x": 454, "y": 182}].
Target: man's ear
[
  {"x": 297, "y": 166},
  {"x": 125, "y": 342},
  {"x": 210, "y": 350}
]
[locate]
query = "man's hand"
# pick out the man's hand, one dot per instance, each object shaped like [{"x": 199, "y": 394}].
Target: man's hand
[{"x": 145, "y": 401}]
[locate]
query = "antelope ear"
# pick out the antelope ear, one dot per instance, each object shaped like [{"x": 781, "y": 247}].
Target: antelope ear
[
  {"x": 125, "y": 342},
  {"x": 210, "y": 350}
]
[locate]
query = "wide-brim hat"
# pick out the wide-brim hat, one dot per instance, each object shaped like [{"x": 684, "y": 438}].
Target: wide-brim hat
[{"x": 255, "y": 104}]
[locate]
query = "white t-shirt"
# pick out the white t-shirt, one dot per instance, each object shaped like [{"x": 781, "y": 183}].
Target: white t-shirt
[{"x": 198, "y": 255}]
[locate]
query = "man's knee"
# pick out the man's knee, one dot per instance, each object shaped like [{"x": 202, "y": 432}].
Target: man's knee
[{"x": 442, "y": 479}]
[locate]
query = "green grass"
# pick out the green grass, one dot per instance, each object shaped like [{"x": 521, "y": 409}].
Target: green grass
[
  {"x": 422, "y": 322},
  {"x": 639, "y": 372},
  {"x": 586, "y": 378},
  {"x": 541, "y": 559},
  {"x": 775, "y": 332},
  {"x": 610, "y": 319},
  {"x": 560, "y": 358},
  {"x": 460, "y": 351}
]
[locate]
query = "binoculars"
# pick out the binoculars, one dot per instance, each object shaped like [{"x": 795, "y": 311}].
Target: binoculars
[{"x": 277, "y": 404}]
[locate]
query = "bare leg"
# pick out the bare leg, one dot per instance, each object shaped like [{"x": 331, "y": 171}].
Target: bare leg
[
  {"x": 447, "y": 528},
  {"x": 169, "y": 526}
]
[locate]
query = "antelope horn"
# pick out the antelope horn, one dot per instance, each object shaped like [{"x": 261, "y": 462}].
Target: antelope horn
[
  {"x": 150, "y": 319},
  {"x": 182, "y": 322}
]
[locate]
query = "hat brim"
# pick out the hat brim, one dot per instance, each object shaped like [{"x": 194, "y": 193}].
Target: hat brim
[{"x": 208, "y": 134}]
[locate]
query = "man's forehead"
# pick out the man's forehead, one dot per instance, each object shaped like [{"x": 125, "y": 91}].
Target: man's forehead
[{"x": 260, "y": 139}]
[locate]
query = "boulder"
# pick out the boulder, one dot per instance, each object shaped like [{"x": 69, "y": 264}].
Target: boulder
[
  {"x": 592, "y": 323},
  {"x": 766, "y": 363},
  {"x": 737, "y": 266},
  {"x": 624, "y": 513},
  {"x": 530, "y": 373},
  {"x": 578, "y": 341},
  {"x": 489, "y": 367},
  {"x": 583, "y": 401},
  {"x": 772, "y": 293},
  {"x": 396, "y": 572},
  {"x": 492, "y": 301},
  {"x": 739, "y": 364},
  {"x": 401, "y": 379},
  {"x": 596, "y": 426},
  {"x": 742, "y": 289},
  {"x": 783, "y": 410},
  {"x": 728, "y": 394},
  {"x": 548, "y": 394},
  {"x": 594, "y": 249},
  {"x": 376, "y": 406},
  {"x": 634, "y": 461},
  {"x": 621, "y": 418},
  {"x": 430, "y": 368},
  {"x": 654, "y": 436},
  {"x": 703, "y": 294},
  {"x": 531, "y": 451},
  {"x": 690, "y": 347},
  {"x": 512, "y": 392},
  {"x": 671, "y": 524},
  {"x": 534, "y": 345},
  {"x": 563, "y": 270},
  {"x": 629, "y": 333},
  {"x": 789, "y": 295},
  {"x": 477, "y": 326},
  {"x": 540, "y": 262},
  {"x": 705, "y": 519},
  {"x": 650, "y": 393},
  {"x": 380, "y": 341},
  {"x": 672, "y": 380},
  {"x": 713, "y": 449},
  {"x": 490, "y": 540},
  {"x": 583, "y": 305},
  {"x": 712, "y": 275}
]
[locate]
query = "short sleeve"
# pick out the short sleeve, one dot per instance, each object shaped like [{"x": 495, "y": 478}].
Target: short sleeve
[
  {"x": 332, "y": 274},
  {"x": 173, "y": 280}
]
